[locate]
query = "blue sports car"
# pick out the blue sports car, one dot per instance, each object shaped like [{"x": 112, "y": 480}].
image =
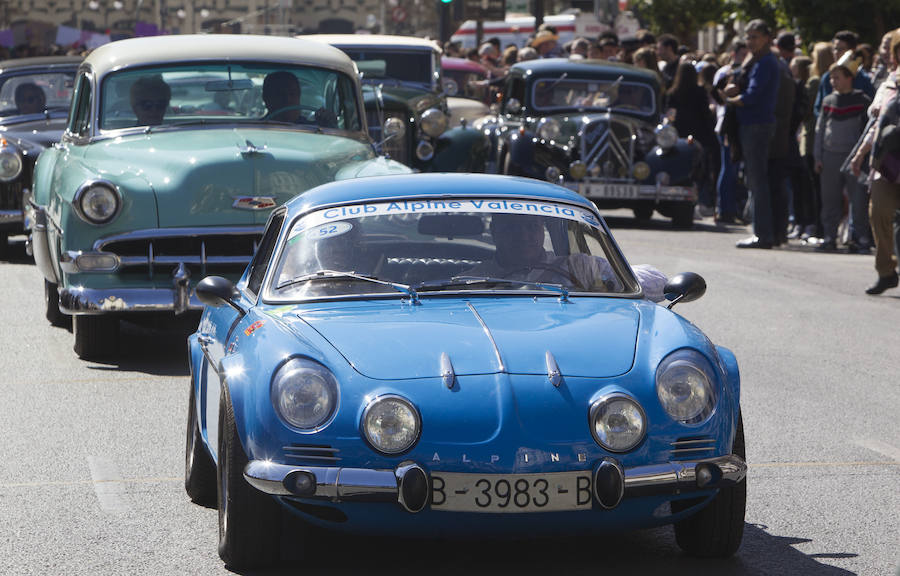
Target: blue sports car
[{"x": 449, "y": 354}]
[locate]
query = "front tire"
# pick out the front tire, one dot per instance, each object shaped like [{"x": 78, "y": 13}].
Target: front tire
[
  {"x": 95, "y": 336},
  {"x": 199, "y": 468},
  {"x": 51, "y": 306},
  {"x": 249, "y": 521},
  {"x": 683, "y": 216},
  {"x": 717, "y": 530}
]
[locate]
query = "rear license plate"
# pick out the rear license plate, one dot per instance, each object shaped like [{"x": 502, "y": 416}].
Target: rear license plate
[
  {"x": 502, "y": 493},
  {"x": 624, "y": 191}
]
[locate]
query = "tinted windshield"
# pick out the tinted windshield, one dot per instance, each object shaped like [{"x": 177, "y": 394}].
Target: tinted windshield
[
  {"x": 35, "y": 92},
  {"x": 230, "y": 93},
  {"x": 565, "y": 93},
  {"x": 437, "y": 246},
  {"x": 405, "y": 65}
]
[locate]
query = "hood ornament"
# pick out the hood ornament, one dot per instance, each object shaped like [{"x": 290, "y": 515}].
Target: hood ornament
[
  {"x": 448, "y": 375},
  {"x": 553, "y": 373}
]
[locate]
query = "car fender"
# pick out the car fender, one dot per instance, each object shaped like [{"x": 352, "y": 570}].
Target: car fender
[
  {"x": 460, "y": 150},
  {"x": 520, "y": 150},
  {"x": 673, "y": 162},
  {"x": 729, "y": 365}
]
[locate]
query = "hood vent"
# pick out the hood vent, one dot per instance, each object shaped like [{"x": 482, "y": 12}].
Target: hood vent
[{"x": 310, "y": 453}]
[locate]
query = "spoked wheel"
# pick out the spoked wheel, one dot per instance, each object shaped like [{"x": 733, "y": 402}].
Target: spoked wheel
[
  {"x": 51, "y": 306},
  {"x": 717, "y": 530},
  {"x": 95, "y": 336},
  {"x": 199, "y": 469},
  {"x": 249, "y": 521}
]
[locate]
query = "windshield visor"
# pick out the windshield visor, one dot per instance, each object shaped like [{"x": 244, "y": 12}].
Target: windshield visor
[
  {"x": 564, "y": 94},
  {"x": 245, "y": 93},
  {"x": 443, "y": 245}
]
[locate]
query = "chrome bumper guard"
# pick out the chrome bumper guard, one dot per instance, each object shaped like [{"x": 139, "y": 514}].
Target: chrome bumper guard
[
  {"x": 340, "y": 484},
  {"x": 40, "y": 246},
  {"x": 623, "y": 191}
]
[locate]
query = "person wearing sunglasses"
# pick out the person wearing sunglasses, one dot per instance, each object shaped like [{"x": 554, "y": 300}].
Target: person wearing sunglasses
[
  {"x": 149, "y": 99},
  {"x": 30, "y": 98}
]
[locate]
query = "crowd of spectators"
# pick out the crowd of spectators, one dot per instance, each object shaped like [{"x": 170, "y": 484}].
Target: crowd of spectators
[{"x": 796, "y": 140}]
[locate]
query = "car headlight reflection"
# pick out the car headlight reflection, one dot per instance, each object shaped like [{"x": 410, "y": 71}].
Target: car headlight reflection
[
  {"x": 304, "y": 394},
  {"x": 666, "y": 136},
  {"x": 434, "y": 122},
  {"x": 391, "y": 424},
  {"x": 548, "y": 129},
  {"x": 684, "y": 387},
  {"x": 10, "y": 163},
  {"x": 617, "y": 422},
  {"x": 97, "y": 202}
]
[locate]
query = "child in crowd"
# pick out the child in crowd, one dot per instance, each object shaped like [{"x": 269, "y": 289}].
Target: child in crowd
[{"x": 838, "y": 128}]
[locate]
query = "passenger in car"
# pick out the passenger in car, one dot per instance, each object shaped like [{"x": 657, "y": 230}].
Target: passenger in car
[
  {"x": 30, "y": 98},
  {"x": 150, "y": 97},
  {"x": 281, "y": 95},
  {"x": 520, "y": 255}
]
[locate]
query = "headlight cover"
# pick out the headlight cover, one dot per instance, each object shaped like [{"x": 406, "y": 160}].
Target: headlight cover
[
  {"x": 685, "y": 388},
  {"x": 10, "y": 163},
  {"x": 617, "y": 422},
  {"x": 97, "y": 202},
  {"x": 391, "y": 424},
  {"x": 434, "y": 122},
  {"x": 666, "y": 136},
  {"x": 304, "y": 394},
  {"x": 548, "y": 129}
]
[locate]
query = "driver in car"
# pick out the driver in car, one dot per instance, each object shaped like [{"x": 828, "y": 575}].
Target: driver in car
[
  {"x": 29, "y": 98},
  {"x": 281, "y": 95},
  {"x": 520, "y": 255}
]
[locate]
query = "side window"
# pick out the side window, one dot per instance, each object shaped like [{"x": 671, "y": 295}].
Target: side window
[
  {"x": 515, "y": 88},
  {"x": 80, "y": 113},
  {"x": 264, "y": 253}
]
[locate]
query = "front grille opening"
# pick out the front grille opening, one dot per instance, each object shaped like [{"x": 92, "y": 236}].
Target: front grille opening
[
  {"x": 693, "y": 447},
  {"x": 311, "y": 453}
]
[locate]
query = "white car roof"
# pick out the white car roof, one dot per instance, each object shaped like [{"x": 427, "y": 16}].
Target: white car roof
[
  {"x": 381, "y": 40},
  {"x": 216, "y": 47}
]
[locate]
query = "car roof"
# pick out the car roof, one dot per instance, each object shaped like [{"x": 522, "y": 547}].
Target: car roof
[
  {"x": 576, "y": 67},
  {"x": 39, "y": 62},
  {"x": 379, "y": 40},
  {"x": 460, "y": 185},
  {"x": 216, "y": 47}
]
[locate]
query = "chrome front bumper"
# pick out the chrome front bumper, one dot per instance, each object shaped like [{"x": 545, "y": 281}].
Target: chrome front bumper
[
  {"x": 77, "y": 300},
  {"x": 338, "y": 484},
  {"x": 620, "y": 191}
]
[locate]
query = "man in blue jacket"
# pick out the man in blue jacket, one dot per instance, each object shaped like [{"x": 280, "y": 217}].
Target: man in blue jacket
[{"x": 754, "y": 94}]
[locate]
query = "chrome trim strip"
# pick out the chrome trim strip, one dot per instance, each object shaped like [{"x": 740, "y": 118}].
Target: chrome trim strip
[
  {"x": 703, "y": 449},
  {"x": 310, "y": 448},
  {"x": 80, "y": 300},
  {"x": 487, "y": 331},
  {"x": 699, "y": 441},
  {"x": 154, "y": 233},
  {"x": 338, "y": 484},
  {"x": 184, "y": 259}
]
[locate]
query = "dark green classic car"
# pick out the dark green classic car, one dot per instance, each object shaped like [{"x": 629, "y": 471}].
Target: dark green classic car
[
  {"x": 406, "y": 108},
  {"x": 176, "y": 151}
]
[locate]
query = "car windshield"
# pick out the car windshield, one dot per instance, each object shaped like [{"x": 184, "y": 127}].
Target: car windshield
[
  {"x": 229, "y": 92},
  {"x": 376, "y": 64},
  {"x": 421, "y": 247},
  {"x": 568, "y": 93},
  {"x": 34, "y": 92}
]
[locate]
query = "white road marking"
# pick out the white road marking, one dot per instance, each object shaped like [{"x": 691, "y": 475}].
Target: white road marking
[
  {"x": 880, "y": 447},
  {"x": 108, "y": 485}
]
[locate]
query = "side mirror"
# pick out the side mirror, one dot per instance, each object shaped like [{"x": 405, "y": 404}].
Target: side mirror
[
  {"x": 216, "y": 291},
  {"x": 685, "y": 287}
]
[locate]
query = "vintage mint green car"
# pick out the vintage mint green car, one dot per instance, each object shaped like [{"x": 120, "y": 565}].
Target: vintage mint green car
[{"x": 176, "y": 151}]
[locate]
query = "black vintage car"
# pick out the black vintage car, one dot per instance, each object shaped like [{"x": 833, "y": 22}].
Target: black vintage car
[
  {"x": 406, "y": 107},
  {"x": 34, "y": 103},
  {"x": 596, "y": 127}
]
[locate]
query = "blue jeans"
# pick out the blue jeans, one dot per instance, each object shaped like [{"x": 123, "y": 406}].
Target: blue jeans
[
  {"x": 755, "y": 141},
  {"x": 725, "y": 186}
]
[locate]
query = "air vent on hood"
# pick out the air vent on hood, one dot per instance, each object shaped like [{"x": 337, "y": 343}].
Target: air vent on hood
[
  {"x": 311, "y": 453},
  {"x": 693, "y": 447}
]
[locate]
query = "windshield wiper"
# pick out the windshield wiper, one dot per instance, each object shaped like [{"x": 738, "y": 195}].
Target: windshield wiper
[
  {"x": 464, "y": 281},
  {"x": 339, "y": 274}
]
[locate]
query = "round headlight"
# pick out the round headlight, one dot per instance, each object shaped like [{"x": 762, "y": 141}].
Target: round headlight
[
  {"x": 434, "y": 122},
  {"x": 424, "y": 151},
  {"x": 617, "y": 422},
  {"x": 391, "y": 424},
  {"x": 640, "y": 170},
  {"x": 684, "y": 387},
  {"x": 97, "y": 202},
  {"x": 393, "y": 128},
  {"x": 10, "y": 164},
  {"x": 304, "y": 394},
  {"x": 548, "y": 129},
  {"x": 577, "y": 170},
  {"x": 451, "y": 88},
  {"x": 666, "y": 136}
]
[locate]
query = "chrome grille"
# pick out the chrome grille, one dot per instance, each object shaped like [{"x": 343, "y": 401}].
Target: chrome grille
[
  {"x": 693, "y": 446},
  {"x": 225, "y": 251},
  {"x": 311, "y": 453},
  {"x": 607, "y": 148}
]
